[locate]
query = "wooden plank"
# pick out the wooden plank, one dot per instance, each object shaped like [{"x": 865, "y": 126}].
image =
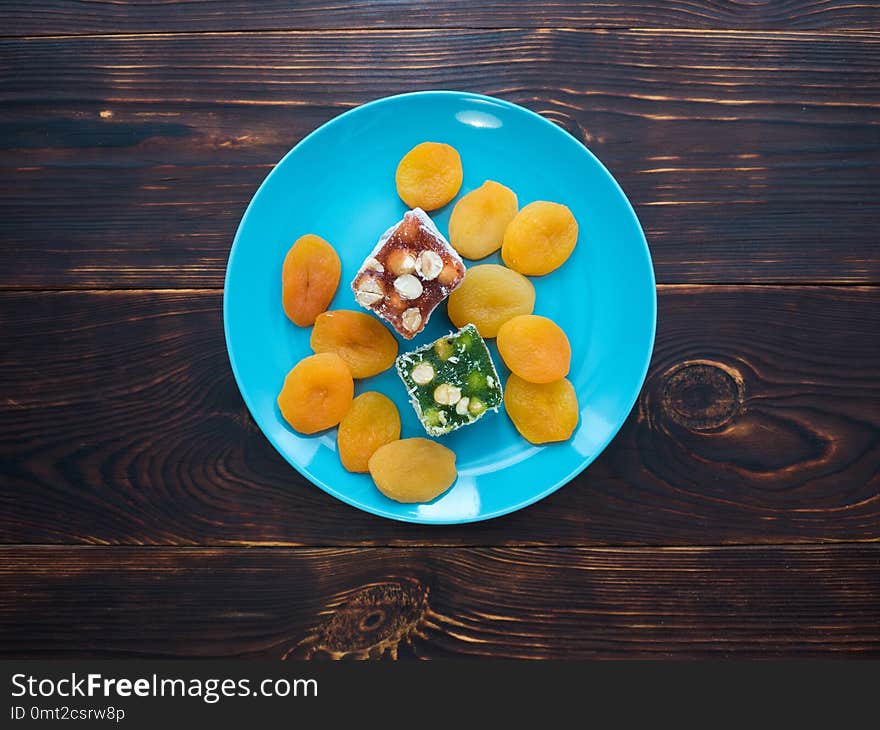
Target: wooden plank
[
  {"x": 758, "y": 423},
  {"x": 810, "y": 601},
  {"x": 750, "y": 157},
  {"x": 58, "y": 17}
]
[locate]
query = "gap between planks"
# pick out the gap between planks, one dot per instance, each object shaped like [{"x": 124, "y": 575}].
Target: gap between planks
[
  {"x": 291, "y": 546},
  {"x": 12, "y": 289},
  {"x": 596, "y": 30}
]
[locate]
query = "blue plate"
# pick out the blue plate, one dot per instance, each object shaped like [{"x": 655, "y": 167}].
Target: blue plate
[{"x": 339, "y": 183}]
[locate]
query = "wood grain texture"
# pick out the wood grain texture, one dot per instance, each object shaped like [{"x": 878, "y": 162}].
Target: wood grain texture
[
  {"x": 57, "y": 17},
  {"x": 759, "y": 423},
  {"x": 808, "y": 601},
  {"x": 750, "y": 146},
  {"x": 127, "y": 161}
]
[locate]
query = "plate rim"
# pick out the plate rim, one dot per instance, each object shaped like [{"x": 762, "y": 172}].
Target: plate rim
[{"x": 633, "y": 397}]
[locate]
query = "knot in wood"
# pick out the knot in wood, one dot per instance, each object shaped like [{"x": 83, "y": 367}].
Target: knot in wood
[
  {"x": 702, "y": 395},
  {"x": 377, "y": 616}
]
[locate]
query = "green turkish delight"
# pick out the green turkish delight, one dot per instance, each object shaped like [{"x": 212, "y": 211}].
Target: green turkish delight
[{"x": 452, "y": 381}]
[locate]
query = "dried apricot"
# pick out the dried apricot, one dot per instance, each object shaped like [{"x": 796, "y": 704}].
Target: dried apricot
[
  {"x": 535, "y": 348},
  {"x": 413, "y": 470},
  {"x": 490, "y": 295},
  {"x": 309, "y": 279},
  {"x": 317, "y": 393},
  {"x": 540, "y": 238},
  {"x": 541, "y": 412},
  {"x": 362, "y": 341},
  {"x": 429, "y": 175},
  {"x": 476, "y": 227},
  {"x": 371, "y": 422}
]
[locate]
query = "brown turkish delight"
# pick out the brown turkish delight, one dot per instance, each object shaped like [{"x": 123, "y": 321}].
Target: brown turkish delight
[{"x": 409, "y": 272}]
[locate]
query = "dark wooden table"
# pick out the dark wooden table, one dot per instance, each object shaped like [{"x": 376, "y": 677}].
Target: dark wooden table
[{"x": 143, "y": 513}]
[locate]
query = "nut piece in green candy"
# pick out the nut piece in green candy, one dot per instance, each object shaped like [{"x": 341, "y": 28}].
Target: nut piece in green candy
[{"x": 452, "y": 381}]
